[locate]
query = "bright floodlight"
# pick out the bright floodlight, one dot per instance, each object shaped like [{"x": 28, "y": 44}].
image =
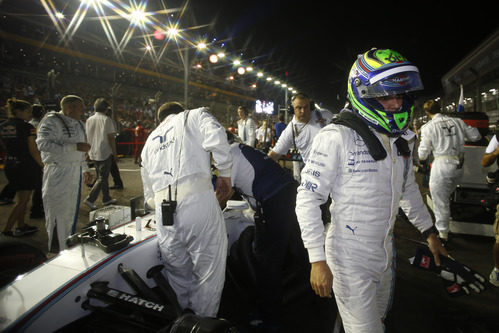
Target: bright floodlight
[
  {"x": 213, "y": 58},
  {"x": 221, "y": 54},
  {"x": 59, "y": 15},
  {"x": 236, "y": 62},
  {"x": 277, "y": 82},
  {"x": 172, "y": 32},
  {"x": 138, "y": 16},
  {"x": 201, "y": 45},
  {"x": 259, "y": 74},
  {"x": 249, "y": 69},
  {"x": 241, "y": 71},
  {"x": 269, "y": 78}
]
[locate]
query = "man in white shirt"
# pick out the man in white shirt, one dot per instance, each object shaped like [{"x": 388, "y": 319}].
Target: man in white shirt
[
  {"x": 246, "y": 127},
  {"x": 176, "y": 174},
  {"x": 444, "y": 136},
  {"x": 101, "y": 136},
  {"x": 264, "y": 136},
  {"x": 300, "y": 131}
]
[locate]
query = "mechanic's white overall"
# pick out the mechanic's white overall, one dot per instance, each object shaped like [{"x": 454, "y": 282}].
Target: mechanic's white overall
[
  {"x": 359, "y": 244},
  {"x": 194, "y": 248},
  {"x": 301, "y": 135},
  {"x": 62, "y": 174},
  {"x": 445, "y": 136}
]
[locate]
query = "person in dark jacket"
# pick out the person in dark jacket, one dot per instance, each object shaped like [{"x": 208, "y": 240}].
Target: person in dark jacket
[
  {"x": 271, "y": 191},
  {"x": 22, "y": 162}
]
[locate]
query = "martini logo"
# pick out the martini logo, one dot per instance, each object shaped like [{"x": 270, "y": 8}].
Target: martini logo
[
  {"x": 425, "y": 262},
  {"x": 453, "y": 288}
]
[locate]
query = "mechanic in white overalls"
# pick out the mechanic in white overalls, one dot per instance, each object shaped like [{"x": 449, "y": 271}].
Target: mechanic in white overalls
[
  {"x": 363, "y": 161},
  {"x": 444, "y": 136},
  {"x": 489, "y": 157},
  {"x": 62, "y": 143},
  {"x": 192, "y": 240},
  {"x": 300, "y": 131}
]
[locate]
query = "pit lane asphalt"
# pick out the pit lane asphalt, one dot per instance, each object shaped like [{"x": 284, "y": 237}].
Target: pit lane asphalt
[{"x": 420, "y": 303}]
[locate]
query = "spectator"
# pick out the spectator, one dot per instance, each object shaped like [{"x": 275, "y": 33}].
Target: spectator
[
  {"x": 355, "y": 256},
  {"x": 62, "y": 142},
  {"x": 246, "y": 127},
  {"x": 139, "y": 141},
  {"x": 192, "y": 237},
  {"x": 264, "y": 136},
  {"x": 22, "y": 162},
  {"x": 115, "y": 171},
  {"x": 444, "y": 136},
  {"x": 101, "y": 137},
  {"x": 279, "y": 126}
]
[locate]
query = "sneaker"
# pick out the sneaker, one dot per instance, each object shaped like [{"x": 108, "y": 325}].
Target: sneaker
[
  {"x": 109, "y": 202},
  {"x": 494, "y": 277},
  {"x": 116, "y": 187},
  {"x": 25, "y": 230},
  {"x": 90, "y": 205}
]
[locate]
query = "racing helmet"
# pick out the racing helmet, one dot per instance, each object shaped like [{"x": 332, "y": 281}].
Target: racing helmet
[{"x": 378, "y": 73}]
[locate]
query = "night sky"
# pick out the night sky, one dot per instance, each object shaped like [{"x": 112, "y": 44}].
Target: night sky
[{"x": 316, "y": 42}]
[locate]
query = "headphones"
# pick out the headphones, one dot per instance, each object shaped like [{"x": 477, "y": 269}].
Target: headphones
[{"x": 300, "y": 95}]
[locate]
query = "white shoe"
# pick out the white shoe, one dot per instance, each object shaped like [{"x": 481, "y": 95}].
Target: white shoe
[
  {"x": 109, "y": 202},
  {"x": 494, "y": 277},
  {"x": 90, "y": 205}
]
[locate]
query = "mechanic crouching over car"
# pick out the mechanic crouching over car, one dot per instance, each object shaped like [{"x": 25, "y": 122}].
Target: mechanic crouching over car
[{"x": 176, "y": 175}]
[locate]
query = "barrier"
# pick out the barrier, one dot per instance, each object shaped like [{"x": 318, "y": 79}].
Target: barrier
[{"x": 128, "y": 144}]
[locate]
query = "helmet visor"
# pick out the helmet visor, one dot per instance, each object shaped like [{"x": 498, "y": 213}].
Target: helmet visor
[{"x": 395, "y": 81}]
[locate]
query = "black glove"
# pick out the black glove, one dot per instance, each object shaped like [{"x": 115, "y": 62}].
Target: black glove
[
  {"x": 458, "y": 278},
  {"x": 454, "y": 271}
]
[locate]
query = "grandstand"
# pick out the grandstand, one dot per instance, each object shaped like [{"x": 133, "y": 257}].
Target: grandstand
[{"x": 40, "y": 63}]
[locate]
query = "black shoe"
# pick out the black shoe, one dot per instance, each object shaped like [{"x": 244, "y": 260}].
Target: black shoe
[
  {"x": 26, "y": 230},
  {"x": 7, "y": 233},
  {"x": 116, "y": 187}
]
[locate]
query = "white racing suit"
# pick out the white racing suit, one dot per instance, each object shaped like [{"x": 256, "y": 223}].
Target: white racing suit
[
  {"x": 358, "y": 246},
  {"x": 194, "y": 248},
  {"x": 445, "y": 136},
  {"x": 57, "y": 137}
]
